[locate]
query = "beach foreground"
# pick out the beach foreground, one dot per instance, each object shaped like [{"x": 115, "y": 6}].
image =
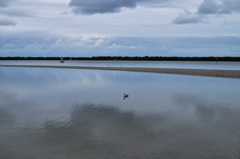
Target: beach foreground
[{"x": 194, "y": 72}]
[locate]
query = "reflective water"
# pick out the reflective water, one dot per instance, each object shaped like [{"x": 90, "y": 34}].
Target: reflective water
[
  {"x": 64, "y": 113},
  {"x": 150, "y": 64}
]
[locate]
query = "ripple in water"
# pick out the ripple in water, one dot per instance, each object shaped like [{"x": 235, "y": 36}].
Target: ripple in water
[
  {"x": 180, "y": 117},
  {"x": 101, "y": 131}
]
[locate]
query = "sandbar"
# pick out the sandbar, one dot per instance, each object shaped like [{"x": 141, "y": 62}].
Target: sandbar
[{"x": 193, "y": 72}]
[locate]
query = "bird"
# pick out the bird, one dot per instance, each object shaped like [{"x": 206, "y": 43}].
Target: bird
[{"x": 125, "y": 96}]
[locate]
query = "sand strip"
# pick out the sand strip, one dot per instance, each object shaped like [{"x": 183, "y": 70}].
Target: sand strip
[{"x": 194, "y": 72}]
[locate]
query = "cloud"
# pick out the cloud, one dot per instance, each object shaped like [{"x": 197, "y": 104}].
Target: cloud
[
  {"x": 7, "y": 22},
  {"x": 219, "y": 7},
  {"x": 13, "y": 12},
  {"x": 100, "y": 6},
  {"x": 115, "y": 46},
  {"x": 187, "y": 17},
  {"x": 45, "y": 44},
  {"x": 99, "y": 42},
  {"x": 208, "y": 7},
  {"x": 4, "y": 3},
  {"x": 107, "y": 6},
  {"x": 64, "y": 12}
]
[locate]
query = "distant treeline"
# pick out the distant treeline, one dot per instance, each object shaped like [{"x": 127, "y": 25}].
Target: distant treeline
[{"x": 135, "y": 58}]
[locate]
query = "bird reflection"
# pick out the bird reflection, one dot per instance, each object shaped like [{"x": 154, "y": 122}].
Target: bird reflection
[{"x": 125, "y": 96}]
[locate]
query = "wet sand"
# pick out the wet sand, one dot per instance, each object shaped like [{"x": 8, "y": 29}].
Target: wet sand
[{"x": 194, "y": 72}]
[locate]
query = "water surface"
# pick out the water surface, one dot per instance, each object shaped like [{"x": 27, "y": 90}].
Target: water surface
[
  {"x": 68, "y": 113},
  {"x": 149, "y": 64}
]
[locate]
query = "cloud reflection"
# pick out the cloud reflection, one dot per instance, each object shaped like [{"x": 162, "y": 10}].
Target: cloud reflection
[
  {"x": 209, "y": 112},
  {"x": 104, "y": 131},
  {"x": 101, "y": 122},
  {"x": 47, "y": 125},
  {"x": 5, "y": 117}
]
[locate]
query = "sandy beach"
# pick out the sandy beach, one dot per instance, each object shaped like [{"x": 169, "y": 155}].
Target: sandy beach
[{"x": 194, "y": 72}]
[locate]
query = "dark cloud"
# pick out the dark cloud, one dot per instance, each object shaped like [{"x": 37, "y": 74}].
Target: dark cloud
[
  {"x": 208, "y": 7},
  {"x": 16, "y": 12},
  {"x": 7, "y": 22},
  {"x": 106, "y": 6},
  {"x": 219, "y": 7},
  {"x": 5, "y": 3},
  {"x": 187, "y": 17},
  {"x": 100, "y": 6}
]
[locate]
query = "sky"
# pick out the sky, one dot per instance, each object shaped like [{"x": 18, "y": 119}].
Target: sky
[{"x": 86, "y": 28}]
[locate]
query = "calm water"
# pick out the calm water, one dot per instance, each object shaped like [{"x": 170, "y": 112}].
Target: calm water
[
  {"x": 151, "y": 64},
  {"x": 64, "y": 113}
]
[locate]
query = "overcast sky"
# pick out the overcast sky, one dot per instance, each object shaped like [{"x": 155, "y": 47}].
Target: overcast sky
[{"x": 119, "y": 28}]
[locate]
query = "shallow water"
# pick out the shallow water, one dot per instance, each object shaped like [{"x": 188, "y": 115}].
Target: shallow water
[
  {"x": 65, "y": 113},
  {"x": 149, "y": 64}
]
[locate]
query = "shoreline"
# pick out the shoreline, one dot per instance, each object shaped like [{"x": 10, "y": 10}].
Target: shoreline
[
  {"x": 131, "y": 58},
  {"x": 193, "y": 72}
]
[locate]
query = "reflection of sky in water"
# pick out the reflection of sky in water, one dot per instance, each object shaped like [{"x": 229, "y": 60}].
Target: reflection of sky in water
[{"x": 64, "y": 113}]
